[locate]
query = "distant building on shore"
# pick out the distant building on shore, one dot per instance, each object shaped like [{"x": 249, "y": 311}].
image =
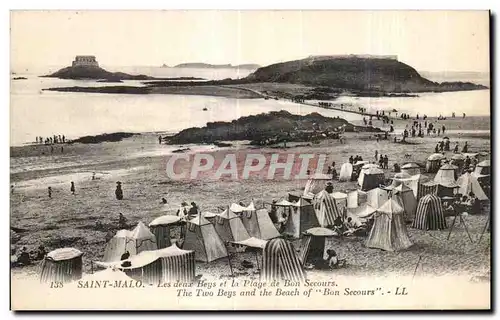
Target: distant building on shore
[{"x": 87, "y": 61}]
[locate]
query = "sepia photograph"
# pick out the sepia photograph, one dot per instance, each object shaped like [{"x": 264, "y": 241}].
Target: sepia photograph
[{"x": 250, "y": 160}]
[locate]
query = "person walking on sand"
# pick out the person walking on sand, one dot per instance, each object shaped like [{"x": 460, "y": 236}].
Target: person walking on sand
[
  {"x": 72, "y": 189},
  {"x": 376, "y": 155},
  {"x": 49, "y": 189},
  {"x": 159, "y": 140},
  {"x": 63, "y": 138},
  {"x": 386, "y": 162},
  {"x": 443, "y": 129},
  {"x": 119, "y": 191}
]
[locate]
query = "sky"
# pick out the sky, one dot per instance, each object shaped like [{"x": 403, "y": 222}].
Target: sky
[{"x": 427, "y": 40}]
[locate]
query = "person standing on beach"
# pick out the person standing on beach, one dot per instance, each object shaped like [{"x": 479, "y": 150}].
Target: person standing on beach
[
  {"x": 465, "y": 148},
  {"x": 376, "y": 155},
  {"x": 119, "y": 191},
  {"x": 72, "y": 188},
  {"x": 62, "y": 149},
  {"x": 63, "y": 138},
  {"x": 386, "y": 162},
  {"x": 49, "y": 189},
  {"x": 443, "y": 129}
]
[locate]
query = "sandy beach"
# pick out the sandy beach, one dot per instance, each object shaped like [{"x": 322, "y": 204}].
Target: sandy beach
[{"x": 139, "y": 163}]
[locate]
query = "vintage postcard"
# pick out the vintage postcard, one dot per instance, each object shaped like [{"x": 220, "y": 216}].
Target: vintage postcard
[{"x": 250, "y": 160}]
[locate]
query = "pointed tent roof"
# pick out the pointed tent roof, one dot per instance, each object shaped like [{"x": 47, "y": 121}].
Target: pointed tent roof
[
  {"x": 141, "y": 232},
  {"x": 199, "y": 220},
  {"x": 228, "y": 214},
  {"x": 283, "y": 203},
  {"x": 369, "y": 165},
  {"x": 373, "y": 170},
  {"x": 301, "y": 202},
  {"x": 391, "y": 207}
]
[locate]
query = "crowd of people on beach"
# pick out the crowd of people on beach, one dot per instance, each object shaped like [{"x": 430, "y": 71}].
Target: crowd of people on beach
[{"x": 55, "y": 139}]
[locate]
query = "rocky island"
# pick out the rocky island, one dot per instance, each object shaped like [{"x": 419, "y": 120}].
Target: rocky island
[{"x": 270, "y": 128}]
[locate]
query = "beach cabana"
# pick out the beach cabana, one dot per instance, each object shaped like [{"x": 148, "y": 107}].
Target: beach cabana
[
  {"x": 280, "y": 262},
  {"x": 135, "y": 241},
  {"x": 405, "y": 197},
  {"x": 345, "y": 172},
  {"x": 161, "y": 226},
  {"x": 429, "y": 214},
  {"x": 326, "y": 209},
  {"x": 377, "y": 197},
  {"x": 446, "y": 180},
  {"x": 370, "y": 178},
  {"x": 202, "y": 238},
  {"x": 389, "y": 231},
  {"x": 158, "y": 266},
  {"x": 314, "y": 245},
  {"x": 433, "y": 162},
  {"x": 468, "y": 183},
  {"x": 426, "y": 188},
  {"x": 483, "y": 168},
  {"x": 258, "y": 224},
  {"x": 458, "y": 160},
  {"x": 230, "y": 227},
  {"x": 315, "y": 184},
  {"x": 410, "y": 168},
  {"x": 61, "y": 265},
  {"x": 302, "y": 217}
]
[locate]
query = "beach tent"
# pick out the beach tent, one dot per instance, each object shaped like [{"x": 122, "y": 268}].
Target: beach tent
[
  {"x": 410, "y": 168},
  {"x": 429, "y": 214},
  {"x": 302, "y": 217},
  {"x": 370, "y": 178},
  {"x": 315, "y": 184},
  {"x": 230, "y": 227},
  {"x": 389, "y": 231},
  {"x": 412, "y": 181},
  {"x": 406, "y": 199},
  {"x": 61, "y": 265},
  {"x": 483, "y": 168},
  {"x": 133, "y": 242},
  {"x": 314, "y": 245},
  {"x": 280, "y": 262},
  {"x": 458, "y": 160},
  {"x": 377, "y": 197},
  {"x": 447, "y": 175},
  {"x": 469, "y": 183},
  {"x": 345, "y": 172},
  {"x": 160, "y": 227},
  {"x": 202, "y": 238},
  {"x": 326, "y": 209},
  {"x": 426, "y": 188},
  {"x": 210, "y": 216},
  {"x": 258, "y": 224},
  {"x": 158, "y": 266},
  {"x": 433, "y": 162},
  {"x": 362, "y": 213},
  {"x": 352, "y": 199}
]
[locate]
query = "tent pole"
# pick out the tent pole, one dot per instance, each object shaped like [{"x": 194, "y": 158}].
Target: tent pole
[
  {"x": 416, "y": 267},
  {"x": 466, "y": 230},
  {"x": 484, "y": 229},
  {"x": 229, "y": 260},
  {"x": 452, "y": 225}
]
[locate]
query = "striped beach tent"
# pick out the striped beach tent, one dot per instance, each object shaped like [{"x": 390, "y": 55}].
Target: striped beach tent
[
  {"x": 202, "y": 238},
  {"x": 133, "y": 242},
  {"x": 429, "y": 215},
  {"x": 158, "y": 266},
  {"x": 160, "y": 227},
  {"x": 314, "y": 245},
  {"x": 389, "y": 230},
  {"x": 61, "y": 265},
  {"x": 230, "y": 227},
  {"x": 427, "y": 188},
  {"x": 326, "y": 209},
  {"x": 280, "y": 262},
  {"x": 302, "y": 217}
]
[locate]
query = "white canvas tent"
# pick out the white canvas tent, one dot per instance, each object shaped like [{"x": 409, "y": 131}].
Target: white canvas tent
[
  {"x": 446, "y": 176},
  {"x": 315, "y": 184},
  {"x": 469, "y": 183},
  {"x": 258, "y": 224},
  {"x": 377, "y": 197},
  {"x": 345, "y": 172},
  {"x": 135, "y": 241},
  {"x": 202, "y": 238},
  {"x": 230, "y": 227},
  {"x": 404, "y": 196},
  {"x": 389, "y": 230},
  {"x": 302, "y": 217},
  {"x": 160, "y": 227},
  {"x": 433, "y": 162}
]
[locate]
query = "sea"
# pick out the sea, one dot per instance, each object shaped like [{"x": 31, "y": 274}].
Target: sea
[{"x": 34, "y": 112}]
